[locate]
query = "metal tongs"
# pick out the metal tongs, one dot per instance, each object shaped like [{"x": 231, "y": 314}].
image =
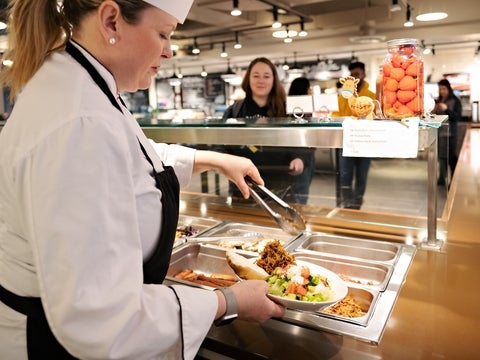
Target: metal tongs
[{"x": 290, "y": 221}]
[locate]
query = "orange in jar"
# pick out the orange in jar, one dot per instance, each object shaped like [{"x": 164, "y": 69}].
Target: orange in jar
[
  {"x": 407, "y": 83},
  {"x": 404, "y": 96},
  {"x": 397, "y": 74},
  {"x": 390, "y": 85}
]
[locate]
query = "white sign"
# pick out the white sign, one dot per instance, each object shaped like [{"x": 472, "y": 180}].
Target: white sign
[
  {"x": 380, "y": 138},
  {"x": 330, "y": 101},
  {"x": 299, "y": 104}
]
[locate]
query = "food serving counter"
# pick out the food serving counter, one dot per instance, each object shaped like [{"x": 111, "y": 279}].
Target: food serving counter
[{"x": 434, "y": 315}]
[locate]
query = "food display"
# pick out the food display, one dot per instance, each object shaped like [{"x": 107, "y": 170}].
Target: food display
[
  {"x": 247, "y": 237},
  {"x": 347, "y": 307},
  {"x": 295, "y": 282},
  {"x": 213, "y": 280},
  {"x": 274, "y": 256},
  {"x": 186, "y": 231},
  {"x": 256, "y": 245},
  {"x": 245, "y": 268},
  {"x": 403, "y": 76}
]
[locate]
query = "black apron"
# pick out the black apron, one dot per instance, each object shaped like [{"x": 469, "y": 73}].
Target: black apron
[{"x": 41, "y": 343}]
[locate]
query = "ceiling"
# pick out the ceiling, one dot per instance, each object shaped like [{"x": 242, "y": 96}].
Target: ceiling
[{"x": 330, "y": 25}]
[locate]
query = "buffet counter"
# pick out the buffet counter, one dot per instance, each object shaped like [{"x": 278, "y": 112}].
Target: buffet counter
[{"x": 436, "y": 315}]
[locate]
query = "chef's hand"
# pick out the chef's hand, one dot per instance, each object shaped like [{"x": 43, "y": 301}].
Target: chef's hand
[
  {"x": 235, "y": 168},
  {"x": 296, "y": 167},
  {"x": 253, "y": 303}
]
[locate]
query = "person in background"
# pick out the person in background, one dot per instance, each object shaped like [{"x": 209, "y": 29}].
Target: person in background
[
  {"x": 266, "y": 98},
  {"x": 301, "y": 186},
  {"x": 88, "y": 205},
  {"x": 353, "y": 171},
  {"x": 447, "y": 104}
]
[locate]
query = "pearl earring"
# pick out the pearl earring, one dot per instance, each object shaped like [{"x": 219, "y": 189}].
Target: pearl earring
[{"x": 112, "y": 41}]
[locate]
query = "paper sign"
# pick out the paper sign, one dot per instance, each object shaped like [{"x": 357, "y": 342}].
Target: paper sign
[
  {"x": 380, "y": 138},
  {"x": 299, "y": 104},
  {"x": 330, "y": 101}
]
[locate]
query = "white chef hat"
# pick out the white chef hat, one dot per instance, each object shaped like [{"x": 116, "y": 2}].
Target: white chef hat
[{"x": 177, "y": 8}]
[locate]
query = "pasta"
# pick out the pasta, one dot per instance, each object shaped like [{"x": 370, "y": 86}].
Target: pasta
[{"x": 347, "y": 307}]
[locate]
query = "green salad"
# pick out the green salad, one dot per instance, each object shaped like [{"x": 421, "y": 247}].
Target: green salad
[{"x": 297, "y": 283}]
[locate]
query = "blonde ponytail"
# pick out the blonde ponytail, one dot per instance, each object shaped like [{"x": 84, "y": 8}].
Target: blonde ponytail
[{"x": 35, "y": 29}]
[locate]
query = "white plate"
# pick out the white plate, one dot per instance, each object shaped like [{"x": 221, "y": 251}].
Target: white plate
[{"x": 339, "y": 289}]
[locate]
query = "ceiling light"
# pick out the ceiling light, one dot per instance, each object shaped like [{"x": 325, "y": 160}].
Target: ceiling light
[
  {"x": 224, "y": 51},
  {"x": 231, "y": 77},
  {"x": 3, "y": 25},
  {"x": 174, "y": 80},
  {"x": 282, "y": 34},
  {"x": 237, "y": 44},
  {"x": 434, "y": 16},
  {"x": 276, "y": 24},
  {"x": 426, "y": 51},
  {"x": 196, "y": 49},
  {"x": 430, "y": 10},
  {"x": 302, "y": 32},
  {"x": 408, "y": 22},
  {"x": 235, "y": 11},
  {"x": 285, "y": 65},
  {"x": 204, "y": 72},
  {"x": 180, "y": 75},
  {"x": 395, "y": 6}
]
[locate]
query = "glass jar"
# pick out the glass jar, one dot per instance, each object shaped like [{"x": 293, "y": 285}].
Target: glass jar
[{"x": 403, "y": 80}]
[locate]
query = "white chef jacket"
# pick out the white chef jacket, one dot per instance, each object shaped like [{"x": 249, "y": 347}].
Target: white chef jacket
[{"x": 79, "y": 213}]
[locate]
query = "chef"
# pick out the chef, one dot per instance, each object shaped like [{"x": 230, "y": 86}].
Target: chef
[{"x": 88, "y": 205}]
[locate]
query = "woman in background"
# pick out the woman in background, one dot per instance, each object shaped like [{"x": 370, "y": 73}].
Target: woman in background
[
  {"x": 447, "y": 104},
  {"x": 301, "y": 186},
  {"x": 266, "y": 98}
]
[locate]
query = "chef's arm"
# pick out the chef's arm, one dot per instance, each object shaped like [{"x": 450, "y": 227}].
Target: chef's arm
[{"x": 235, "y": 168}]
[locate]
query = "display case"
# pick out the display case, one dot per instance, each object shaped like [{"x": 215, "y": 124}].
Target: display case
[{"x": 312, "y": 133}]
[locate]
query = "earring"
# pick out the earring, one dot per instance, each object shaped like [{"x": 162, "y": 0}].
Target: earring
[{"x": 112, "y": 41}]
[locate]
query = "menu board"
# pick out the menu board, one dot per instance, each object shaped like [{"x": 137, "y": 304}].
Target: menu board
[
  {"x": 193, "y": 89},
  {"x": 214, "y": 87}
]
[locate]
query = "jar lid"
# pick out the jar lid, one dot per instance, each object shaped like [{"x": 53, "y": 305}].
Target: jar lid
[{"x": 405, "y": 41}]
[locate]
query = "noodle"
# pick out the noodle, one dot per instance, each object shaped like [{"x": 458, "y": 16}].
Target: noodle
[
  {"x": 347, "y": 307},
  {"x": 274, "y": 256}
]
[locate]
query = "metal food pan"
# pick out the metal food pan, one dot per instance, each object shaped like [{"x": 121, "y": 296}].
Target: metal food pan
[
  {"x": 368, "y": 275},
  {"x": 250, "y": 245},
  {"x": 199, "y": 258},
  {"x": 199, "y": 224},
  {"x": 332, "y": 245},
  {"x": 365, "y": 298}
]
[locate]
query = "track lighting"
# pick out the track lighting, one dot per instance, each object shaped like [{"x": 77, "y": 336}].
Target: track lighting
[
  {"x": 224, "y": 51},
  {"x": 430, "y": 10},
  {"x": 174, "y": 80},
  {"x": 395, "y": 6},
  {"x": 276, "y": 24},
  {"x": 196, "y": 49},
  {"x": 288, "y": 39},
  {"x": 302, "y": 32},
  {"x": 237, "y": 44},
  {"x": 235, "y": 11},
  {"x": 408, "y": 21}
]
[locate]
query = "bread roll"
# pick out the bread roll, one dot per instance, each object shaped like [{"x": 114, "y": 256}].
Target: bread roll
[{"x": 245, "y": 268}]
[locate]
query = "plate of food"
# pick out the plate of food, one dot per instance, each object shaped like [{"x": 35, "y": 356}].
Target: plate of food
[
  {"x": 297, "y": 284},
  {"x": 305, "y": 286}
]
